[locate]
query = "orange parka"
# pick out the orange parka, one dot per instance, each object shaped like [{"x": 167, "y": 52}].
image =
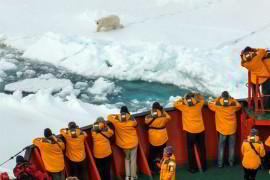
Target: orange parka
[
  {"x": 225, "y": 115},
  {"x": 267, "y": 141},
  {"x": 75, "y": 150},
  {"x": 250, "y": 159},
  {"x": 157, "y": 133},
  {"x": 125, "y": 131},
  {"x": 192, "y": 115},
  {"x": 258, "y": 66},
  {"x": 51, "y": 150},
  {"x": 101, "y": 143},
  {"x": 167, "y": 168}
]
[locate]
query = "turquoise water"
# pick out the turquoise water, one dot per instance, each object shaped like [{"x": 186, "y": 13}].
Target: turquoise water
[{"x": 137, "y": 95}]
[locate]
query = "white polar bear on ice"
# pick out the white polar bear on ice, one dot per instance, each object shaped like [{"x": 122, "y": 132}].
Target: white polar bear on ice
[{"x": 108, "y": 23}]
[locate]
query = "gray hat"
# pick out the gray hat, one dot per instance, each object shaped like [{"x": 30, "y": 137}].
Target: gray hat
[
  {"x": 100, "y": 119},
  {"x": 253, "y": 132},
  {"x": 168, "y": 149}
]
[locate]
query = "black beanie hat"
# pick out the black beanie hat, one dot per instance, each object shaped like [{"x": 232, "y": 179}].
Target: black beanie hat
[
  {"x": 247, "y": 49},
  {"x": 225, "y": 94},
  {"x": 72, "y": 125},
  {"x": 156, "y": 105},
  {"x": 20, "y": 159},
  {"x": 124, "y": 109},
  {"x": 47, "y": 132}
]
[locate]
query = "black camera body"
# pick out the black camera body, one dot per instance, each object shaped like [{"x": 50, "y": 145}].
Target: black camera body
[
  {"x": 154, "y": 114},
  {"x": 123, "y": 117},
  {"x": 189, "y": 101},
  {"x": 96, "y": 127},
  {"x": 226, "y": 102}
]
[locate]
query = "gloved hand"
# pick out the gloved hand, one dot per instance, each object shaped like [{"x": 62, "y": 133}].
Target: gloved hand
[{"x": 176, "y": 100}]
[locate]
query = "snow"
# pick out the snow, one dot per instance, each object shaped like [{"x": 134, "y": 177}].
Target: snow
[
  {"x": 5, "y": 65},
  {"x": 36, "y": 84},
  {"x": 192, "y": 44},
  {"x": 102, "y": 88},
  {"x": 25, "y": 118},
  {"x": 185, "y": 43},
  {"x": 160, "y": 62}
]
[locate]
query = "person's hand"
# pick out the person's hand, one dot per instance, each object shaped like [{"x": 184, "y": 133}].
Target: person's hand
[
  {"x": 176, "y": 100},
  {"x": 54, "y": 138},
  {"x": 210, "y": 99}
]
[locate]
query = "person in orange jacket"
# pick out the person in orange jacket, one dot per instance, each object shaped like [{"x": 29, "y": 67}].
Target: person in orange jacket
[
  {"x": 75, "y": 150},
  {"x": 252, "y": 150},
  {"x": 225, "y": 108},
  {"x": 266, "y": 159},
  {"x": 51, "y": 149},
  {"x": 157, "y": 133},
  {"x": 102, "y": 151},
  {"x": 127, "y": 139},
  {"x": 168, "y": 164},
  {"x": 191, "y": 107},
  {"x": 257, "y": 61}
]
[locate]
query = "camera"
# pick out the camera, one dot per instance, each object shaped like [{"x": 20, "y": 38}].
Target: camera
[
  {"x": 73, "y": 132},
  {"x": 189, "y": 101},
  {"x": 252, "y": 139},
  {"x": 97, "y": 127},
  {"x": 226, "y": 102},
  {"x": 154, "y": 114},
  {"x": 123, "y": 117}
]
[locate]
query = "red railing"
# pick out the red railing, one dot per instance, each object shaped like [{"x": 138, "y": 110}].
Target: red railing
[{"x": 255, "y": 96}]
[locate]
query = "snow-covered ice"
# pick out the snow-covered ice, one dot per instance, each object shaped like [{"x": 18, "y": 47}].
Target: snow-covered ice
[
  {"x": 36, "y": 84},
  {"x": 23, "y": 119}
]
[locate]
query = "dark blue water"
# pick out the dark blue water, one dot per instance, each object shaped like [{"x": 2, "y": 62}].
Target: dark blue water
[{"x": 137, "y": 95}]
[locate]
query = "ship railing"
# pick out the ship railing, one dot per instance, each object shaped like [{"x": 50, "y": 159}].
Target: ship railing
[{"x": 255, "y": 95}]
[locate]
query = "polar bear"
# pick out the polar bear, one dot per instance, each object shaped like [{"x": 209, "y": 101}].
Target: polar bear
[{"x": 108, "y": 23}]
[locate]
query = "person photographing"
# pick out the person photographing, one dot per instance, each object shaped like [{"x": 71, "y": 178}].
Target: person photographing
[
  {"x": 157, "y": 134},
  {"x": 252, "y": 150},
  {"x": 51, "y": 150},
  {"x": 102, "y": 151},
  {"x": 191, "y": 107},
  {"x": 75, "y": 150},
  {"x": 126, "y": 138}
]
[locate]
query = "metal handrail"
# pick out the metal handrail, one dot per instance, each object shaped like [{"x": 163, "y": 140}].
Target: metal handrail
[{"x": 259, "y": 96}]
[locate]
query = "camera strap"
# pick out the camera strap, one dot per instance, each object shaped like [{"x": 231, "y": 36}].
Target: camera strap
[
  {"x": 157, "y": 128},
  {"x": 254, "y": 149},
  {"x": 104, "y": 135}
]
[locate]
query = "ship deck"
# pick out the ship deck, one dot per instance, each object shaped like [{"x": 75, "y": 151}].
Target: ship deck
[{"x": 213, "y": 173}]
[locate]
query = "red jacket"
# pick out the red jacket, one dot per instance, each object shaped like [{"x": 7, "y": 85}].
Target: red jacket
[{"x": 29, "y": 169}]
